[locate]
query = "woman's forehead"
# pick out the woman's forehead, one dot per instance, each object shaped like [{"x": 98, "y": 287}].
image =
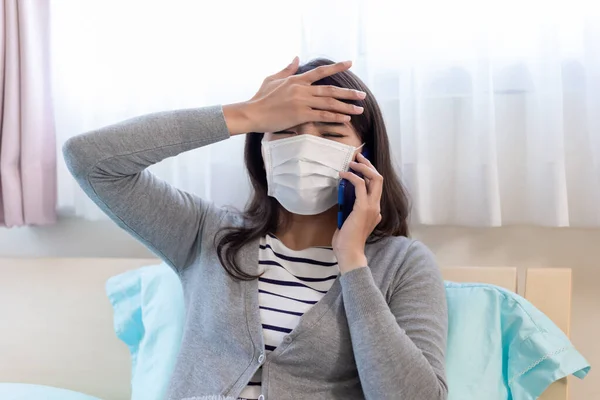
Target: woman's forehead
[{"x": 325, "y": 125}]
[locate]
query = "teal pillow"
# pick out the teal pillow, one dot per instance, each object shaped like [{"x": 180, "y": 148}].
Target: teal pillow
[
  {"x": 501, "y": 347},
  {"x": 148, "y": 318},
  {"x": 23, "y": 391}
]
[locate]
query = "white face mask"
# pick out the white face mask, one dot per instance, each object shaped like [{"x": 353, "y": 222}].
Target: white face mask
[{"x": 303, "y": 171}]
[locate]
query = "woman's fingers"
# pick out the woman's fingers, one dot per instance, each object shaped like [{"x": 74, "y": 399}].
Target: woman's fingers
[
  {"x": 360, "y": 187},
  {"x": 365, "y": 160},
  {"x": 287, "y": 71},
  {"x": 369, "y": 172},
  {"x": 334, "y": 105},
  {"x": 326, "y": 116},
  {"x": 336, "y": 92},
  {"x": 324, "y": 71},
  {"x": 374, "y": 178}
]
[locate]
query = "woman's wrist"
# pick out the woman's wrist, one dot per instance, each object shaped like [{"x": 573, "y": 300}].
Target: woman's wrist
[
  {"x": 352, "y": 262},
  {"x": 238, "y": 118}
]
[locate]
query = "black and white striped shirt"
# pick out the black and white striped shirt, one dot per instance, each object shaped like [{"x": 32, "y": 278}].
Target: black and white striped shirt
[{"x": 292, "y": 282}]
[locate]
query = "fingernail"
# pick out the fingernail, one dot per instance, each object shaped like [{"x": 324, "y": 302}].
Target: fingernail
[
  {"x": 346, "y": 118},
  {"x": 358, "y": 108},
  {"x": 361, "y": 95},
  {"x": 353, "y": 163},
  {"x": 348, "y": 63}
]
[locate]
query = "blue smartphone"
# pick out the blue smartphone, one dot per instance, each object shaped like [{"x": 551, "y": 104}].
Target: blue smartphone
[{"x": 347, "y": 195}]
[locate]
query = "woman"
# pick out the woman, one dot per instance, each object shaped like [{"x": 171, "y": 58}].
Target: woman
[{"x": 280, "y": 303}]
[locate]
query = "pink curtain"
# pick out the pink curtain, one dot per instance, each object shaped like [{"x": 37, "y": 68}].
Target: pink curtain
[{"x": 27, "y": 140}]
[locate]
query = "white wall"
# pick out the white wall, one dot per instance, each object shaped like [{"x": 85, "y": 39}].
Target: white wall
[{"x": 515, "y": 246}]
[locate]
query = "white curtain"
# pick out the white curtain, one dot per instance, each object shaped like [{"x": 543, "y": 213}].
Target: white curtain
[{"x": 492, "y": 106}]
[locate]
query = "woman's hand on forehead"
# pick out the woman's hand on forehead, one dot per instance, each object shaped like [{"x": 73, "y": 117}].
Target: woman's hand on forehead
[{"x": 286, "y": 100}]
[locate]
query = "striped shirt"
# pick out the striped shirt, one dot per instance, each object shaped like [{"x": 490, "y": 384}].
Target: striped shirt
[{"x": 293, "y": 281}]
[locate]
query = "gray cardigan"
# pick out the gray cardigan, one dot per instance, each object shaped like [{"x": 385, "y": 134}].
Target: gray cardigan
[{"x": 379, "y": 333}]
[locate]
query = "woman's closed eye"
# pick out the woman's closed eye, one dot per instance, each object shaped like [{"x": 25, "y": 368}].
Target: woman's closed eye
[
  {"x": 332, "y": 135},
  {"x": 327, "y": 135},
  {"x": 284, "y": 133}
]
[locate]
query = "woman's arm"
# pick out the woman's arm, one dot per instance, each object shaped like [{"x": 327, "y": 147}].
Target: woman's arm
[
  {"x": 110, "y": 163},
  {"x": 110, "y": 166},
  {"x": 399, "y": 347}
]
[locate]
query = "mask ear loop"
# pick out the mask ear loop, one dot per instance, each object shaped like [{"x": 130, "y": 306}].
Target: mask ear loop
[{"x": 358, "y": 148}]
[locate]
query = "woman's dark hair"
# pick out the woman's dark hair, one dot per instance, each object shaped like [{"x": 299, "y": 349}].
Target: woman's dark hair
[{"x": 262, "y": 215}]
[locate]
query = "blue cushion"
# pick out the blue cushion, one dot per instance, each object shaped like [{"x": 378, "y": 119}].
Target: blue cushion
[
  {"x": 148, "y": 318},
  {"x": 501, "y": 347},
  {"x": 23, "y": 391}
]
